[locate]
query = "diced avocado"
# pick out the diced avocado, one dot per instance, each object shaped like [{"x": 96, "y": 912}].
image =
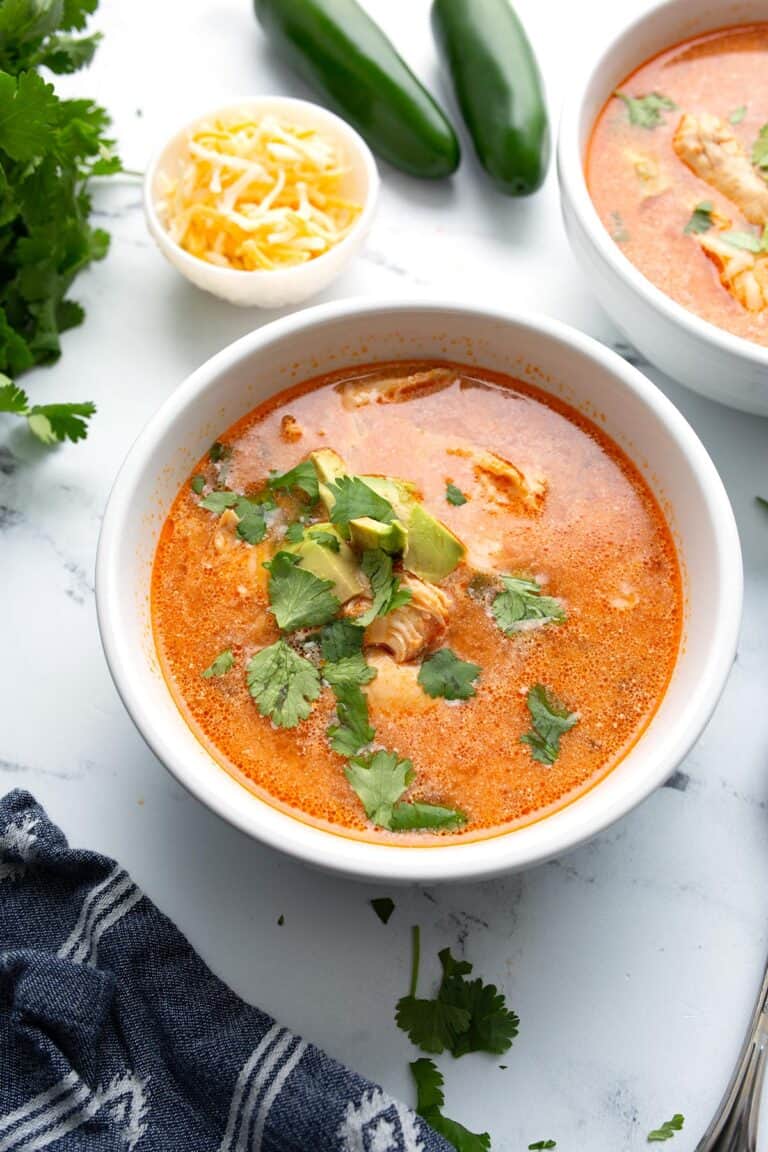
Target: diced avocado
[
  {"x": 432, "y": 551},
  {"x": 329, "y": 466},
  {"x": 369, "y": 533},
  {"x": 341, "y": 567}
]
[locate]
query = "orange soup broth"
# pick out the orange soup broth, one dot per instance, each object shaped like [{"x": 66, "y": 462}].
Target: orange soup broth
[
  {"x": 717, "y": 73},
  {"x": 600, "y": 535}
]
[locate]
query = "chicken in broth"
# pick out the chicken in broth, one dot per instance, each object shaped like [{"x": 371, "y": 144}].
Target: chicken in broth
[
  {"x": 678, "y": 171},
  {"x": 415, "y": 601}
]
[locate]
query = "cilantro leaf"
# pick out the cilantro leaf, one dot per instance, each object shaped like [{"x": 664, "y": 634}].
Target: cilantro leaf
[
  {"x": 283, "y": 684},
  {"x": 327, "y": 540},
  {"x": 521, "y": 602},
  {"x": 339, "y": 639},
  {"x": 455, "y": 495},
  {"x": 352, "y": 732},
  {"x": 430, "y": 1100},
  {"x": 647, "y": 111},
  {"x": 223, "y": 663},
  {"x": 218, "y": 452},
  {"x": 415, "y": 815},
  {"x": 50, "y": 423},
  {"x": 65, "y": 54},
  {"x": 701, "y": 219},
  {"x": 303, "y": 477},
  {"x": 542, "y": 1144},
  {"x": 760, "y": 150},
  {"x": 252, "y": 527},
  {"x": 492, "y": 1026},
  {"x": 197, "y": 483},
  {"x": 387, "y": 593},
  {"x": 432, "y": 1025},
  {"x": 383, "y": 906},
  {"x": 444, "y": 674},
  {"x": 550, "y": 719},
  {"x": 28, "y": 115},
  {"x": 294, "y": 533},
  {"x": 738, "y": 114},
  {"x": 12, "y": 399},
  {"x": 667, "y": 1129},
  {"x": 353, "y": 499},
  {"x": 379, "y": 781},
  {"x": 348, "y": 670},
  {"x": 298, "y": 598},
  {"x": 217, "y": 501}
]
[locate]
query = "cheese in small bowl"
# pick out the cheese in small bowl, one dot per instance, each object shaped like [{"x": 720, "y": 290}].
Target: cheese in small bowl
[{"x": 262, "y": 203}]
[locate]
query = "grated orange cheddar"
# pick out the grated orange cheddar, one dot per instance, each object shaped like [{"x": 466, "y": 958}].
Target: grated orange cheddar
[{"x": 256, "y": 194}]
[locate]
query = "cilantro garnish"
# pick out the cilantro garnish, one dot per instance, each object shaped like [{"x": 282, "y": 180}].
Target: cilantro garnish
[
  {"x": 542, "y": 1144},
  {"x": 738, "y": 114},
  {"x": 387, "y": 593},
  {"x": 383, "y": 906},
  {"x": 550, "y": 719},
  {"x": 760, "y": 150},
  {"x": 522, "y": 601},
  {"x": 252, "y": 527},
  {"x": 647, "y": 111},
  {"x": 218, "y": 452},
  {"x": 326, "y": 540},
  {"x": 50, "y": 423},
  {"x": 444, "y": 674},
  {"x": 379, "y": 780},
  {"x": 217, "y": 502},
  {"x": 416, "y": 815},
  {"x": 49, "y": 149},
  {"x": 353, "y": 732},
  {"x": 430, "y": 1100},
  {"x": 283, "y": 684},
  {"x": 455, "y": 495},
  {"x": 353, "y": 499},
  {"x": 701, "y": 218},
  {"x": 339, "y": 639},
  {"x": 667, "y": 1129},
  {"x": 294, "y": 533},
  {"x": 348, "y": 670},
  {"x": 298, "y": 598},
  {"x": 221, "y": 665},
  {"x": 303, "y": 477},
  {"x": 465, "y": 1016},
  {"x": 197, "y": 483}
]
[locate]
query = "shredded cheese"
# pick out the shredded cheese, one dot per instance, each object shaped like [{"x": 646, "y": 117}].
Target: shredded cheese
[{"x": 257, "y": 194}]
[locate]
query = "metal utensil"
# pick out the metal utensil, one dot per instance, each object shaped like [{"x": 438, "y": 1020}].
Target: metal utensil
[{"x": 734, "y": 1128}]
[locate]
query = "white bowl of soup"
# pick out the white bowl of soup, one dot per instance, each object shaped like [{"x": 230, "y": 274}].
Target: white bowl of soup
[
  {"x": 418, "y": 591},
  {"x": 663, "y": 165}
]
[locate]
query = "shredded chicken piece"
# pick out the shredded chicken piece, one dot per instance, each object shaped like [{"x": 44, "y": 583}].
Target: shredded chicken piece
[
  {"x": 224, "y": 537},
  {"x": 396, "y": 690},
  {"x": 743, "y": 273},
  {"x": 396, "y": 390},
  {"x": 290, "y": 429},
  {"x": 710, "y": 149},
  {"x": 649, "y": 171},
  {"x": 503, "y": 481},
  {"x": 417, "y": 626}
]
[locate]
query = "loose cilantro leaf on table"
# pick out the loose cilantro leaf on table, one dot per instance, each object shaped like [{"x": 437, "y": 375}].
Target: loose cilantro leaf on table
[
  {"x": 298, "y": 598},
  {"x": 762, "y": 501},
  {"x": 221, "y": 665},
  {"x": 701, "y": 219},
  {"x": 667, "y": 1129},
  {"x": 455, "y": 495},
  {"x": 379, "y": 780},
  {"x": 353, "y": 499},
  {"x": 551, "y": 719},
  {"x": 522, "y": 601},
  {"x": 647, "y": 111},
  {"x": 303, "y": 477},
  {"x": 430, "y": 1100},
  {"x": 431, "y": 1025},
  {"x": 383, "y": 906},
  {"x": 353, "y": 732},
  {"x": 50, "y": 423},
  {"x": 760, "y": 150},
  {"x": 444, "y": 674},
  {"x": 339, "y": 639},
  {"x": 542, "y": 1144},
  {"x": 283, "y": 684},
  {"x": 738, "y": 114},
  {"x": 387, "y": 593}
]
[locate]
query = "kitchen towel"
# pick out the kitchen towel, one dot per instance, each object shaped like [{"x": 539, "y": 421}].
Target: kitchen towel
[{"x": 114, "y": 1034}]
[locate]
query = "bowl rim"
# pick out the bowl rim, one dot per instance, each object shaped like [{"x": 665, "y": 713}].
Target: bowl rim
[
  {"x": 361, "y": 225},
  {"x": 478, "y": 859},
  {"x": 573, "y": 182}
]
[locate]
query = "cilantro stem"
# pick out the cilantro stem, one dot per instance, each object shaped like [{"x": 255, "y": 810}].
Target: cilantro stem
[{"x": 415, "y": 958}]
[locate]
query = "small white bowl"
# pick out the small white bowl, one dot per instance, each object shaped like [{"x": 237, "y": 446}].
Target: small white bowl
[
  {"x": 706, "y": 358},
  {"x": 284, "y": 286},
  {"x": 558, "y": 359}
]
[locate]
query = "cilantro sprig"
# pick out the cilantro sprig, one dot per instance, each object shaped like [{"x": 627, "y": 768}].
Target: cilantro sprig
[
  {"x": 354, "y": 499},
  {"x": 380, "y": 779},
  {"x": 647, "y": 111},
  {"x": 444, "y": 674},
  {"x": 522, "y": 603},
  {"x": 667, "y": 1130},
  {"x": 303, "y": 477},
  {"x": 387, "y": 593},
  {"x": 223, "y": 663},
  {"x": 298, "y": 598},
  {"x": 49, "y": 149},
  {"x": 283, "y": 684},
  {"x": 550, "y": 720},
  {"x": 430, "y": 1100}
]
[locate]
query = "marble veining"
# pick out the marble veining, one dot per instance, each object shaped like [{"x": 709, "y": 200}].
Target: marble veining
[{"x": 632, "y": 962}]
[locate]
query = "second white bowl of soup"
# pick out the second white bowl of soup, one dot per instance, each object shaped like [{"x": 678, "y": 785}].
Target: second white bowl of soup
[
  {"x": 663, "y": 166},
  {"x": 419, "y": 592}
]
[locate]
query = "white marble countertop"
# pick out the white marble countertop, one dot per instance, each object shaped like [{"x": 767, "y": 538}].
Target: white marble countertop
[{"x": 633, "y": 961}]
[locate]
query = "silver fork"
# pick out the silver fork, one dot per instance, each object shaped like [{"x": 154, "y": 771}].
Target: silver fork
[{"x": 734, "y": 1128}]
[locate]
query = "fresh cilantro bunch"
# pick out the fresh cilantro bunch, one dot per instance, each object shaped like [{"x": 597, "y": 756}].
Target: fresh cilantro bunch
[{"x": 49, "y": 150}]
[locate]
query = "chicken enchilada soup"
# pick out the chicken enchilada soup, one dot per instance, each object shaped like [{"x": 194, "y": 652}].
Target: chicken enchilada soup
[
  {"x": 416, "y": 601},
  {"x": 678, "y": 170}
]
